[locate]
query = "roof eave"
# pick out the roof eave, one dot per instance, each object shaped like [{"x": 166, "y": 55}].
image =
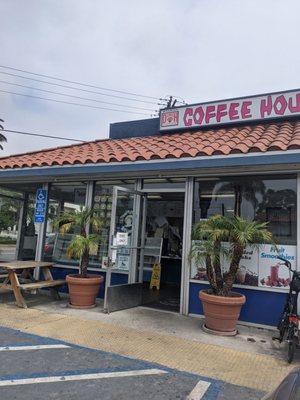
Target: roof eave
[{"x": 287, "y": 161}]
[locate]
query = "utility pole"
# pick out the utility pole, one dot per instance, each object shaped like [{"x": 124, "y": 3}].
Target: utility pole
[
  {"x": 171, "y": 103},
  {"x": 2, "y": 137}
]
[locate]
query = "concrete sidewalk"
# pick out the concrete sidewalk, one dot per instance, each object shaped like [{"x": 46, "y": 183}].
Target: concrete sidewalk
[
  {"x": 131, "y": 334},
  {"x": 250, "y": 339}
]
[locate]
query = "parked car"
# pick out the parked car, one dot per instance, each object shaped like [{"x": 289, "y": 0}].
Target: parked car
[
  {"x": 289, "y": 388},
  {"x": 49, "y": 247}
]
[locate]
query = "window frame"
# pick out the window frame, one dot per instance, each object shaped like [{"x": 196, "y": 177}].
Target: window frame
[{"x": 267, "y": 176}]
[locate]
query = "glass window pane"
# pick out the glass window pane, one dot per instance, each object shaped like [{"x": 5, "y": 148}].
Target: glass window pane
[
  {"x": 26, "y": 232},
  {"x": 66, "y": 196},
  {"x": 10, "y": 209},
  {"x": 271, "y": 199},
  {"x": 102, "y": 203},
  {"x": 29, "y": 231}
]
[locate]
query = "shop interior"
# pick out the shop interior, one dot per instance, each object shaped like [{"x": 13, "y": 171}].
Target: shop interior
[{"x": 163, "y": 245}]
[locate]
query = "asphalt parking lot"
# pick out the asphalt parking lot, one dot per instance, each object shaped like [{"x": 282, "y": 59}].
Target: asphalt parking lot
[{"x": 33, "y": 367}]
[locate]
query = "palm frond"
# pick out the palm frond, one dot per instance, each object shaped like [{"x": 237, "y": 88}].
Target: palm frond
[
  {"x": 220, "y": 237},
  {"x": 78, "y": 220},
  {"x": 81, "y": 245},
  {"x": 252, "y": 233},
  {"x": 96, "y": 223},
  {"x": 65, "y": 218}
]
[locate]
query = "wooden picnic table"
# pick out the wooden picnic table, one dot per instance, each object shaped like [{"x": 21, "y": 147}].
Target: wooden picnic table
[{"x": 13, "y": 283}]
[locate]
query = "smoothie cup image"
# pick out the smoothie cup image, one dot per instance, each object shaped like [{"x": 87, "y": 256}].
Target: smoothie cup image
[
  {"x": 201, "y": 273},
  {"x": 241, "y": 274},
  {"x": 274, "y": 274}
]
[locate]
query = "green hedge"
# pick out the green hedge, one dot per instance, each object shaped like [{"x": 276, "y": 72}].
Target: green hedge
[{"x": 7, "y": 240}]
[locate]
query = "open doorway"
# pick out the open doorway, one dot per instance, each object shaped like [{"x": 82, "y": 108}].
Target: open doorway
[
  {"x": 146, "y": 228},
  {"x": 163, "y": 238}
]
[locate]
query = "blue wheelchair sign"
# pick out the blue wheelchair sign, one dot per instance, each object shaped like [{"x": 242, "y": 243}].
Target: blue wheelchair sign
[{"x": 40, "y": 205}]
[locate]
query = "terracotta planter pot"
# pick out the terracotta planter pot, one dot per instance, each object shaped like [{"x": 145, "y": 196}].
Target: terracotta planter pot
[
  {"x": 221, "y": 313},
  {"x": 83, "y": 291}
]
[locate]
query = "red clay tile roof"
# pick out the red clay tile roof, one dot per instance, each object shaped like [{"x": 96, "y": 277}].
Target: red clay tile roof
[{"x": 233, "y": 140}]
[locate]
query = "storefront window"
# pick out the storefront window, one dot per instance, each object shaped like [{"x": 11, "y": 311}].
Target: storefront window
[
  {"x": 256, "y": 198},
  {"x": 62, "y": 197},
  {"x": 29, "y": 231},
  {"x": 102, "y": 203},
  {"x": 10, "y": 208},
  {"x": 20, "y": 232}
]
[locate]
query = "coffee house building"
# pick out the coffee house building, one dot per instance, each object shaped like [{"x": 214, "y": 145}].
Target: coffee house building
[{"x": 150, "y": 182}]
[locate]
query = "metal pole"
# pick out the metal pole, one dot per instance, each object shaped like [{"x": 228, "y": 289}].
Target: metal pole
[
  {"x": 135, "y": 233},
  {"x": 143, "y": 234},
  {"x": 39, "y": 252},
  {"x": 298, "y": 221},
  {"x": 20, "y": 238},
  {"x": 186, "y": 245},
  {"x": 89, "y": 201},
  {"x": 110, "y": 250}
]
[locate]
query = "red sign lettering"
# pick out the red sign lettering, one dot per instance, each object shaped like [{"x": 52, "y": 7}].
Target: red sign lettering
[
  {"x": 254, "y": 108},
  {"x": 245, "y": 111},
  {"x": 233, "y": 113},
  {"x": 221, "y": 111}
]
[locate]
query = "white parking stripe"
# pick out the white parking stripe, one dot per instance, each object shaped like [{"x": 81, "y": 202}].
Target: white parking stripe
[
  {"x": 37, "y": 347},
  {"x": 199, "y": 391},
  {"x": 65, "y": 378}
]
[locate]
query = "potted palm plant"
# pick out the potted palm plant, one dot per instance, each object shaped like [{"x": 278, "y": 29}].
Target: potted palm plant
[
  {"x": 214, "y": 240},
  {"x": 83, "y": 288}
]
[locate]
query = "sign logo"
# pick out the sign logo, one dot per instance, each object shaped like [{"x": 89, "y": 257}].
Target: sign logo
[{"x": 169, "y": 118}]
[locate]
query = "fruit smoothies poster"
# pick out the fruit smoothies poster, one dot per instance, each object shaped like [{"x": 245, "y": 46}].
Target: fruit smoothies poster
[
  {"x": 271, "y": 272},
  {"x": 248, "y": 270},
  {"x": 198, "y": 269},
  {"x": 247, "y": 273}
]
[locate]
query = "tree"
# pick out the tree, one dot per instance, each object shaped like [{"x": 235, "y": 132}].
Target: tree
[
  {"x": 244, "y": 189},
  {"x": 8, "y": 213},
  {"x": 82, "y": 243},
  {"x": 209, "y": 247}
]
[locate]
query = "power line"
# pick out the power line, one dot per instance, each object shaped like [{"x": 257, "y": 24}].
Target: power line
[
  {"x": 79, "y": 83},
  {"x": 75, "y": 88},
  {"x": 76, "y": 97},
  {"x": 42, "y": 135},
  {"x": 72, "y": 103}
]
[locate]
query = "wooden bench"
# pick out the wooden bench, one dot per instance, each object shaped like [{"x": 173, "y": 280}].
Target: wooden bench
[
  {"x": 12, "y": 280},
  {"x": 41, "y": 284}
]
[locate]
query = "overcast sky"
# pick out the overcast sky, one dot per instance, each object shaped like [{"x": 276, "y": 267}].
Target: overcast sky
[{"x": 200, "y": 50}]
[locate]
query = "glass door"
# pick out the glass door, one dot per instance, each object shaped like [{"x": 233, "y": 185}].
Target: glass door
[{"x": 122, "y": 289}]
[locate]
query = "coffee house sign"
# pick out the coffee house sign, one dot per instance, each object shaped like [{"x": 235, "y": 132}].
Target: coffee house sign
[{"x": 253, "y": 108}]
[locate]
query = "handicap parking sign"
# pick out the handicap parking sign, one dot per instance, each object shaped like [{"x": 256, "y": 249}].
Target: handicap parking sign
[{"x": 40, "y": 205}]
